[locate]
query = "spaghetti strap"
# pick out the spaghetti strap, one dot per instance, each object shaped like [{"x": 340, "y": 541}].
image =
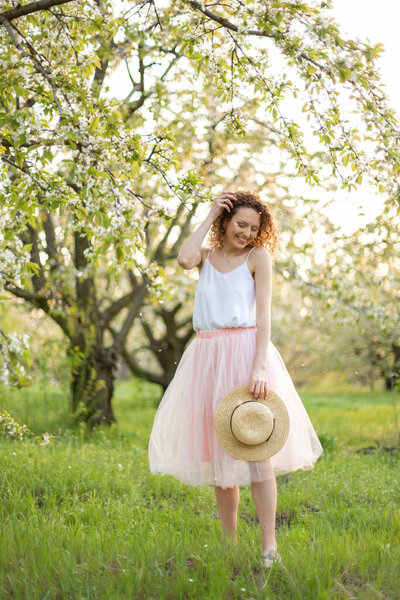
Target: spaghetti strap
[
  {"x": 251, "y": 250},
  {"x": 208, "y": 255}
]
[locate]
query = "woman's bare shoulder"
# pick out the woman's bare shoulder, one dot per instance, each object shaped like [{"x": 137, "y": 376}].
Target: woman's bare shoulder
[
  {"x": 260, "y": 258},
  {"x": 261, "y": 254},
  {"x": 261, "y": 251}
]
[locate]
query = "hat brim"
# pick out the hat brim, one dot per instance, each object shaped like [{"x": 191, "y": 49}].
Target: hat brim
[{"x": 236, "y": 448}]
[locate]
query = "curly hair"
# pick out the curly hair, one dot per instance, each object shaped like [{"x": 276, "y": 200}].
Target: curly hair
[{"x": 266, "y": 236}]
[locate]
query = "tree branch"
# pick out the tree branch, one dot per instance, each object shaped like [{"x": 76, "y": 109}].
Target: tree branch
[
  {"x": 39, "y": 302},
  {"x": 184, "y": 323},
  {"x": 136, "y": 305},
  {"x": 140, "y": 371},
  {"x": 140, "y": 86},
  {"x": 28, "y": 9},
  {"x": 255, "y": 32},
  {"x": 188, "y": 335},
  {"x": 155, "y": 344},
  {"x": 51, "y": 241},
  {"x": 36, "y": 64},
  {"x": 38, "y": 280},
  {"x": 109, "y": 313}
]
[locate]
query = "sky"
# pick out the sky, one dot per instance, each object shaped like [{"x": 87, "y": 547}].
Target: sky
[{"x": 375, "y": 22}]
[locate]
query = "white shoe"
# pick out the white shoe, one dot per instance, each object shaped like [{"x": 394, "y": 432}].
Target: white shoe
[{"x": 270, "y": 557}]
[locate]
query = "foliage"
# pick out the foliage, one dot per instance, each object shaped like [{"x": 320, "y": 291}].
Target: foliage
[
  {"x": 89, "y": 171},
  {"x": 16, "y": 358},
  {"x": 45, "y": 356},
  {"x": 10, "y": 428},
  {"x": 360, "y": 287},
  {"x": 129, "y": 533}
]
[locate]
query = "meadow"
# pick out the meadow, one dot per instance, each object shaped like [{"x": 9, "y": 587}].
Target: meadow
[{"x": 82, "y": 517}]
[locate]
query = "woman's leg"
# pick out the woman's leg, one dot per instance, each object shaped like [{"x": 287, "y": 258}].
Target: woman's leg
[
  {"x": 228, "y": 503},
  {"x": 264, "y": 496}
]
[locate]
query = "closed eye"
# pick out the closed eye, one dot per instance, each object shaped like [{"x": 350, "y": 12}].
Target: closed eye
[{"x": 244, "y": 224}]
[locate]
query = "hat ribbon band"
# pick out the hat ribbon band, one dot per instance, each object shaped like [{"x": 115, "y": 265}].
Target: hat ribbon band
[{"x": 245, "y": 402}]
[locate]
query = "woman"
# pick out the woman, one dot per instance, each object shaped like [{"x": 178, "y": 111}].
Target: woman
[{"x": 232, "y": 348}]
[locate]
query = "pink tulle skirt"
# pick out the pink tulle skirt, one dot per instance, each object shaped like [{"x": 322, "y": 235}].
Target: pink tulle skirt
[{"x": 183, "y": 442}]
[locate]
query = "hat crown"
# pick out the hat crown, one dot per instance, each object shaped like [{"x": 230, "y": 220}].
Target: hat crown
[
  {"x": 252, "y": 422},
  {"x": 275, "y": 424}
]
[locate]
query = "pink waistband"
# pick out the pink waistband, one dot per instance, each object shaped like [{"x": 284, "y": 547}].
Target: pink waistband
[{"x": 210, "y": 333}]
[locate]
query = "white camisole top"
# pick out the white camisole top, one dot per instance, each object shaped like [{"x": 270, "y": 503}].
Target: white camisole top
[{"x": 224, "y": 299}]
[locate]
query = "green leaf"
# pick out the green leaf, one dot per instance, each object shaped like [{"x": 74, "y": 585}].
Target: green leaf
[{"x": 34, "y": 267}]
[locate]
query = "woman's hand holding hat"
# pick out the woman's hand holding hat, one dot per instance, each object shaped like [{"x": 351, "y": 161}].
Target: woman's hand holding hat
[{"x": 258, "y": 386}]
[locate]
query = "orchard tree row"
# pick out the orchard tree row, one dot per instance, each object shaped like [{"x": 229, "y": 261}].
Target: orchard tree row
[{"x": 120, "y": 120}]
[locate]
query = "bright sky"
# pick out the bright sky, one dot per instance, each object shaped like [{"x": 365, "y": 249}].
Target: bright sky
[{"x": 376, "y": 22}]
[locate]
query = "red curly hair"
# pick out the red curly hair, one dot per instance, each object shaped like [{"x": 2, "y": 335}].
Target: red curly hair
[{"x": 266, "y": 236}]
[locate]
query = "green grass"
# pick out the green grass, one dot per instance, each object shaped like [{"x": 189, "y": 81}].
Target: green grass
[{"x": 83, "y": 518}]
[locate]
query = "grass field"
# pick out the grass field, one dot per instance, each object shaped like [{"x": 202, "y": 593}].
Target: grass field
[{"x": 82, "y": 517}]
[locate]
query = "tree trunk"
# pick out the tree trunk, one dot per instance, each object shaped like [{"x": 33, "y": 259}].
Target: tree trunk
[
  {"x": 392, "y": 383},
  {"x": 389, "y": 383},
  {"x": 92, "y": 387},
  {"x": 392, "y": 380}
]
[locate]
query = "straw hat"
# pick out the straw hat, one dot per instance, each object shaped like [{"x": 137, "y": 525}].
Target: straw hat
[{"x": 251, "y": 429}]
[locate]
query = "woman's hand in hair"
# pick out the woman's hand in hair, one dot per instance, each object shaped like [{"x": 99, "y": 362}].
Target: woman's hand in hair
[{"x": 222, "y": 202}]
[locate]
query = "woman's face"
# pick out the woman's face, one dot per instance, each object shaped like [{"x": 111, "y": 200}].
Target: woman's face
[{"x": 243, "y": 227}]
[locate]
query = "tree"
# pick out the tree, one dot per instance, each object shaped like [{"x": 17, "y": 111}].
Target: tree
[
  {"x": 358, "y": 282},
  {"x": 85, "y": 169},
  {"x": 166, "y": 347}
]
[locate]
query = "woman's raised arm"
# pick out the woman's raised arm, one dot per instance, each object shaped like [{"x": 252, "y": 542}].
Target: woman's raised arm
[{"x": 190, "y": 253}]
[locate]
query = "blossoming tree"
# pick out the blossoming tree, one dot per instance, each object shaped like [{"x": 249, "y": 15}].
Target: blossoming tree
[{"x": 88, "y": 165}]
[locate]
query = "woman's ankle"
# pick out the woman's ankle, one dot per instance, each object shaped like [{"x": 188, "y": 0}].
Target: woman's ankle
[
  {"x": 269, "y": 544},
  {"x": 229, "y": 538}
]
